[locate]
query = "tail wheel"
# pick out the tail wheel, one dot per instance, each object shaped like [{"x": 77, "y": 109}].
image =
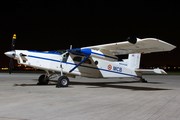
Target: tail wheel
[
  {"x": 63, "y": 81},
  {"x": 43, "y": 80}
]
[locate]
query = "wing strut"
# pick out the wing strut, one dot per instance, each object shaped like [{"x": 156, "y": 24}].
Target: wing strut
[{"x": 79, "y": 63}]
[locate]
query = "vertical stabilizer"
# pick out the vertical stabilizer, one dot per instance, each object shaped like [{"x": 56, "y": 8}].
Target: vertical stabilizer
[{"x": 134, "y": 60}]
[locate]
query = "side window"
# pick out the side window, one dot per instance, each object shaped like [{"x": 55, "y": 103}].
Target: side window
[
  {"x": 88, "y": 61},
  {"x": 77, "y": 59}
]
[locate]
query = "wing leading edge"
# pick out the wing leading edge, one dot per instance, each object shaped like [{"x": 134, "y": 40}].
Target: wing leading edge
[{"x": 146, "y": 45}]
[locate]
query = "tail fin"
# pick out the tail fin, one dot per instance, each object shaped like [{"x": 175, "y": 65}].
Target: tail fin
[{"x": 134, "y": 60}]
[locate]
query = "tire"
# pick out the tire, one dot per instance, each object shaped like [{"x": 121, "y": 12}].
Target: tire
[
  {"x": 43, "y": 80},
  {"x": 63, "y": 81}
]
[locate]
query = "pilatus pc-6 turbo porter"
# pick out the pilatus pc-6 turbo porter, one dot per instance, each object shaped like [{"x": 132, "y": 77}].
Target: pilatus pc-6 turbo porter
[{"x": 99, "y": 61}]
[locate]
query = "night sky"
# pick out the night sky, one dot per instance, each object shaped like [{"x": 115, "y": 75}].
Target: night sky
[{"x": 50, "y": 25}]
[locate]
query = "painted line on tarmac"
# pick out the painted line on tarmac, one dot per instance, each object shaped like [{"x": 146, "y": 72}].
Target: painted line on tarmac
[{"x": 6, "y": 83}]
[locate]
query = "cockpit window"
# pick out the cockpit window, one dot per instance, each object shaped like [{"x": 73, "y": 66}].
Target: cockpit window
[
  {"x": 61, "y": 51},
  {"x": 79, "y": 59}
]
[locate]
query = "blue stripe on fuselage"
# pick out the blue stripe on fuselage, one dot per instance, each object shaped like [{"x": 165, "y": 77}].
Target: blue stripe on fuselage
[
  {"x": 43, "y": 58},
  {"x": 44, "y": 52},
  {"x": 80, "y": 65}
]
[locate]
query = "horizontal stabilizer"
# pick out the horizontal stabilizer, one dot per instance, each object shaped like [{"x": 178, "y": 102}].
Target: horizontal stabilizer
[{"x": 158, "y": 71}]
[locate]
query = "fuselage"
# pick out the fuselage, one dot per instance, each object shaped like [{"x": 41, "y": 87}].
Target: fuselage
[{"x": 98, "y": 65}]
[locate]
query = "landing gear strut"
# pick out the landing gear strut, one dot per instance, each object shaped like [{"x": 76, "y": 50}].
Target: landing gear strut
[
  {"x": 44, "y": 79},
  {"x": 63, "y": 81}
]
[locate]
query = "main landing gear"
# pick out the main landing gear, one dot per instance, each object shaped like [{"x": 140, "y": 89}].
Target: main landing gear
[
  {"x": 63, "y": 81},
  {"x": 43, "y": 80}
]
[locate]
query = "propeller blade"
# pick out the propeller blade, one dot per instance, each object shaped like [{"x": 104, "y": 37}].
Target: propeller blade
[
  {"x": 11, "y": 54},
  {"x": 10, "y": 65},
  {"x": 13, "y": 41}
]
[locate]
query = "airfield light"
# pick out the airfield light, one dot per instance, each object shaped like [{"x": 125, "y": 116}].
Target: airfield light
[
  {"x": 28, "y": 68},
  {"x": 4, "y": 68}
]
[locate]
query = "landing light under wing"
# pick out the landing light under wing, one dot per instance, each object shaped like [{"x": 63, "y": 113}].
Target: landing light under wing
[{"x": 146, "y": 45}]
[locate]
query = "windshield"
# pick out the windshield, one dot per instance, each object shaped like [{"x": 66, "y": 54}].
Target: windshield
[{"x": 61, "y": 51}]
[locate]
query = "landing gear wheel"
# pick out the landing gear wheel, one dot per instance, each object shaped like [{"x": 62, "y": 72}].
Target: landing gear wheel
[
  {"x": 43, "y": 80},
  {"x": 63, "y": 81}
]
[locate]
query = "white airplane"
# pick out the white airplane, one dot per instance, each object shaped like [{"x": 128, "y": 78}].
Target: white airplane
[{"x": 99, "y": 61}]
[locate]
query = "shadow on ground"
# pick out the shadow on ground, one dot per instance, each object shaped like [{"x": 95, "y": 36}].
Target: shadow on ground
[
  {"x": 106, "y": 84},
  {"x": 109, "y": 85}
]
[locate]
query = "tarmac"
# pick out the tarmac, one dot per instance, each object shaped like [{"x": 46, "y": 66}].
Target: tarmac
[{"x": 89, "y": 99}]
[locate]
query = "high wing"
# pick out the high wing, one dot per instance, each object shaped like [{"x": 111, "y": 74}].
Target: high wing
[{"x": 146, "y": 45}]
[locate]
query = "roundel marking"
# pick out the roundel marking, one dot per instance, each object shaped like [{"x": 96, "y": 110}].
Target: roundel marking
[{"x": 109, "y": 67}]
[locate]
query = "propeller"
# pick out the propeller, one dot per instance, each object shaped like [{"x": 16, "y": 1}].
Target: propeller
[
  {"x": 13, "y": 41},
  {"x": 11, "y": 54},
  {"x": 10, "y": 65}
]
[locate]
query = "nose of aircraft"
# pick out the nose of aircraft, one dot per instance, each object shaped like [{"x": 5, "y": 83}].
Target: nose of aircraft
[{"x": 10, "y": 54}]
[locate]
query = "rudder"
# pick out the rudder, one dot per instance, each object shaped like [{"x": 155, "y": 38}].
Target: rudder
[{"x": 134, "y": 60}]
